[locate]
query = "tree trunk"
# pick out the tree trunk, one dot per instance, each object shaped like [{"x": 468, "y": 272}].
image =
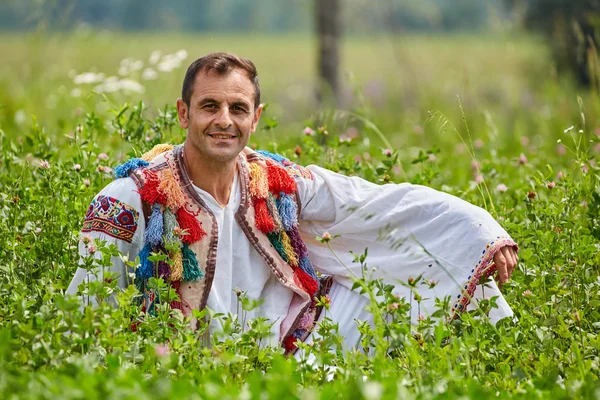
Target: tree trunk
[{"x": 329, "y": 31}]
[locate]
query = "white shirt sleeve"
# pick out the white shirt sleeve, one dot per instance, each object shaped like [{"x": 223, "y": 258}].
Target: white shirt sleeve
[
  {"x": 409, "y": 230},
  {"x": 116, "y": 217}
]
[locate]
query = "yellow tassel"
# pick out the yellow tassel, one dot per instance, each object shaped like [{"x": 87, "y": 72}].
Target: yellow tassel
[
  {"x": 177, "y": 267},
  {"x": 172, "y": 191},
  {"x": 156, "y": 150},
  {"x": 259, "y": 185},
  {"x": 289, "y": 250}
]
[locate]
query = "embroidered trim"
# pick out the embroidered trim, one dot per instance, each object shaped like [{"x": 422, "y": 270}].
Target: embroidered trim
[
  {"x": 484, "y": 268},
  {"x": 112, "y": 217}
]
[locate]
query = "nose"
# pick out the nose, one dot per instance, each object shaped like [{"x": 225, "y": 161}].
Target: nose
[{"x": 223, "y": 119}]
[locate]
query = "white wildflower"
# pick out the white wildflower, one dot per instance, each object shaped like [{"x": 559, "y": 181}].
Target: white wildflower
[
  {"x": 182, "y": 54},
  {"x": 154, "y": 57},
  {"x": 88, "y": 77},
  {"x": 76, "y": 92},
  {"x": 149, "y": 74},
  {"x": 129, "y": 85},
  {"x": 20, "y": 117}
]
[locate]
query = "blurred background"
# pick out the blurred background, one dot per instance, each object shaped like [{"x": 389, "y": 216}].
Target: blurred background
[{"x": 515, "y": 66}]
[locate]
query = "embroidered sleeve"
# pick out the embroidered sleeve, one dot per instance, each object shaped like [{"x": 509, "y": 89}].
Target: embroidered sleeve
[{"x": 112, "y": 217}]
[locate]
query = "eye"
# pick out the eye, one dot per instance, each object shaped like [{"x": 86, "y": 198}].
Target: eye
[
  {"x": 238, "y": 108},
  {"x": 210, "y": 106}
]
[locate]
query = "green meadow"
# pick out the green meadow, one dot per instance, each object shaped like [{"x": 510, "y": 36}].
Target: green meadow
[{"x": 484, "y": 117}]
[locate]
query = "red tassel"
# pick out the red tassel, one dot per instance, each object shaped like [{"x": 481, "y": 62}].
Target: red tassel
[
  {"x": 279, "y": 179},
  {"x": 288, "y": 343},
  {"x": 149, "y": 192},
  {"x": 264, "y": 221},
  {"x": 191, "y": 225},
  {"x": 305, "y": 281}
]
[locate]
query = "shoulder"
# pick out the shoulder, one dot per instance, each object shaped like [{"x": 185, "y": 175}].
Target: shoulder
[
  {"x": 115, "y": 211},
  {"x": 295, "y": 170}
]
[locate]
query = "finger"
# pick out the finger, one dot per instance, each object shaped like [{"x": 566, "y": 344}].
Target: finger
[
  {"x": 510, "y": 263},
  {"x": 500, "y": 262},
  {"x": 513, "y": 254}
]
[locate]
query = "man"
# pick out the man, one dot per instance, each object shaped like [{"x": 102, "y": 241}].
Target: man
[{"x": 227, "y": 217}]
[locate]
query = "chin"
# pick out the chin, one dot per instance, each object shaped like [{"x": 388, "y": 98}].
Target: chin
[{"x": 224, "y": 155}]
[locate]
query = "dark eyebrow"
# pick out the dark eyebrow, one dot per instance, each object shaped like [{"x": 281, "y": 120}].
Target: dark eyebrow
[
  {"x": 240, "y": 103},
  {"x": 207, "y": 100}
]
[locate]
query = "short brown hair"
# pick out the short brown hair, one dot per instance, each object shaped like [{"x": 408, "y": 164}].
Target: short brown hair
[{"x": 221, "y": 63}]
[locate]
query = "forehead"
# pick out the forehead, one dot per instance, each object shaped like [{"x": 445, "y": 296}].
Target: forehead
[{"x": 232, "y": 85}]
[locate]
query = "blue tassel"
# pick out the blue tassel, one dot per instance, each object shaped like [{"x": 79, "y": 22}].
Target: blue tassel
[
  {"x": 146, "y": 267},
  {"x": 191, "y": 269},
  {"x": 288, "y": 211},
  {"x": 275, "y": 157},
  {"x": 123, "y": 170},
  {"x": 154, "y": 230},
  {"x": 298, "y": 333},
  {"x": 306, "y": 266}
]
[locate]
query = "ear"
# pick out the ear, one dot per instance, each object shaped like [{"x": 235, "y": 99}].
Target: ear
[
  {"x": 182, "y": 113},
  {"x": 256, "y": 118}
]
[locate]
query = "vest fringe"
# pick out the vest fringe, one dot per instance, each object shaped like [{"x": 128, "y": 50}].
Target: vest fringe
[
  {"x": 164, "y": 270},
  {"x": 123, "y": 170},
  {"x": 177, "y": 267},
  {"x": 190, "y": 224},
  {"x": 279, "y": 179},
  {"x": 169, "y": 226},
  {"x": 306, "y": 266},
  {"x": 156, "y": 150},
  {"x": 264, "y": 222},
  {"x": 304, "y": 280},
  {"x": 288, "y": 211},
  {"x": 191, "y": 269},
  {"x": 170, "y": 188},
  {"x": 259, "y": 184},
  {"x": 272, "y": 207},
  {"x": 292, "y": 258},
  {"x": 154, "y": 231},
  {"x": 277, "y": 242},
  {"x": 149, "y": 192},
  {"x": 144, "y": 271}
]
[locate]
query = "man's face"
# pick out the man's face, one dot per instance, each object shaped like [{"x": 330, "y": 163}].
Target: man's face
[{"x": 221, "y": 115}]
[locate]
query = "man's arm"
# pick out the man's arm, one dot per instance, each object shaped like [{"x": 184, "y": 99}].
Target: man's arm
[
  {"x": 115, "y": 217},
  {"x": 409, "y": 230}
]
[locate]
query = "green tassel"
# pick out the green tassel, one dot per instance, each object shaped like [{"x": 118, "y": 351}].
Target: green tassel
[
  {"x": 275, "y": 239},
  {"x": 191, "y": 269}
]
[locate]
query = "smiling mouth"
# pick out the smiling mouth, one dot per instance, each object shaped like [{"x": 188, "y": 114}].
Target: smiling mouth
[{"x": 222, "y": 135}]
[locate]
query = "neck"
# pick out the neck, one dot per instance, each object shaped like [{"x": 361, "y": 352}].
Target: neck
[{"x": 212, "y": 177}]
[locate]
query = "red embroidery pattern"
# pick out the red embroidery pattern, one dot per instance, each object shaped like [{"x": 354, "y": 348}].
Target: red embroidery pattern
[
  {"x": 483, "y": 269},
  {"x": 112, "y": 217}
]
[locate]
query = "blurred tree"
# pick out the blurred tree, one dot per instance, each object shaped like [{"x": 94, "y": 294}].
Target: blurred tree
[
  {"x": 573, "y": 29},
  {"x": 329, "y": 30}
]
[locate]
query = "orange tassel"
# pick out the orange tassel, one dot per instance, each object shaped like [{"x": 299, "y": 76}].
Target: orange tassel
[
  {"x": 279, "y": 179},
  {"x": 169, "y": 187},
  {"x": 259, "y": 184},
  {"x": 264, "y": 222},
  {"x": 191, "y": 225}
]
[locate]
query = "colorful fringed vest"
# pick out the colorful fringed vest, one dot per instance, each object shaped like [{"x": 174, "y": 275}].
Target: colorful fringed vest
[{"x": 182, "y": 227}]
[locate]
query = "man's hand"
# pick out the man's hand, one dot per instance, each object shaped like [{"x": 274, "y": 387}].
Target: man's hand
[{"x": 506, "y": 261}]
